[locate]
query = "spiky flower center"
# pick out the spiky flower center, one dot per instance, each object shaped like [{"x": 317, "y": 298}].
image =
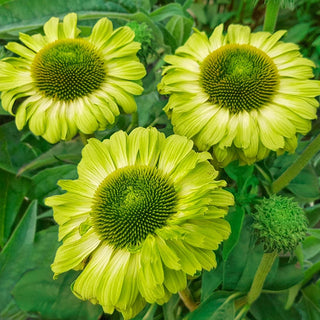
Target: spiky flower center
[
  {"x": 239, "y": 77},
  {"x": 131, "y": 203},
  {"x": 68, "y": 69}
]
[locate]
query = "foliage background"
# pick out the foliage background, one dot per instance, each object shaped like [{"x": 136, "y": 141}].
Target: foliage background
[{"x": 30, "y": 168}]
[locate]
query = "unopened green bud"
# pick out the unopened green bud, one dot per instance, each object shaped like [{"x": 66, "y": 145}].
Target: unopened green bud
[{"x": 280, "y": 224}]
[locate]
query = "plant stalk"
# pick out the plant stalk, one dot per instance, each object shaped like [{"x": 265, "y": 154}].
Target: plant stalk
[
  {"x": 186, "y": 297},
  {"x": 260, "y": 276},
  {"x": 297, "y": 166},
  {"x": 271, "y": 15}
]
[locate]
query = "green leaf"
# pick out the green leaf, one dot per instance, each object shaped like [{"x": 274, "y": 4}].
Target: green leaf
[
  {"x": 45, "y": 182},
  {"x": 15, "y": 17},
  {"x": 313, "y": 214},
  {"x": 180, "y": 28},
  {"x": 15, "y": 256},
  {"x": 13, "y": 151},
  {"x": 211, "y": 279},
  {"x": 311, "y": 301},
  {"x": 219, "y": 306},
  {"x": 12, "y": 194},
  {"x": 311, "y": 247},
  {"x": 63, "y": 152},
  {"x": 169, "y": 308},
  {"x": 53, "y": 299},
  {"x": 167, "y": 11},
  {"x": 298, "y": 32},
  {"x": 243, "y": 261},
  {"x": 235, "y": 218},
  {"x": 271, "y": 307},
  {"x": 285, "y": 276}
]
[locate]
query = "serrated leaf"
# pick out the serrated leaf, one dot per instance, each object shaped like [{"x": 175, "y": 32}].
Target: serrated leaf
[{"x": 13, "y": 191}]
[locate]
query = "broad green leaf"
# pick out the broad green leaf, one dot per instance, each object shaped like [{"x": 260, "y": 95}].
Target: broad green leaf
[
  {"x": 16, "y": 16},
  {"x": 271, "y": 307},
  {"x": 180, "y": 28},
  {"x": 311, "y": 247},
  {"x": 219, "y": 306},
  {"x": 285, "y": 276},
  {"x": 311, "y": 301},
  {"x": 313, "y": 214},
  {"x": 45, "y": 182},
  {"x": 243, "y": 261},
  {"x": 13, "y": 191},
  {"x": 15, "y": 256},
  {"x": 147, "y": 313},
  {"x": 63, "y": 152},
  {"x": 13, "y": 151},
  {"x": 298, "y": 32},
  {"x": 53, "y": 299},
  {"x": 167, "y": 11},
  {"x": 235, "y": 218},
  {"x": 211, "y": 280}
]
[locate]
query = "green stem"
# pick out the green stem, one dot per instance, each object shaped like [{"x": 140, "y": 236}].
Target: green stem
[
  {"x": 297, "y": 166},
  {"x": 271, "y": 15},
  {"x": 260, "y": 276},
  {"x": 185, "y": 296},
  {"x": 84, "y": 137}
]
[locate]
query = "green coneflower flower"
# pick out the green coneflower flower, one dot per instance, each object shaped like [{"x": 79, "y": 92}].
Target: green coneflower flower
[
  {"x": 280, "y": 224},
  {"x": 70, "y": 84},
  {"x": 241, "y": 94},
  {"x": 145, "y": 212}
]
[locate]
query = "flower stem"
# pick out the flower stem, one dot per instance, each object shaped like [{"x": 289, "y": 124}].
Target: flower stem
[
  {"x": 260, "y": 276},
  {"x": 297, "y": 166},
  {"x": 185, "y": 296},
  {"x": 271, "y": 15},
  {"x": 84, "y": 137}
]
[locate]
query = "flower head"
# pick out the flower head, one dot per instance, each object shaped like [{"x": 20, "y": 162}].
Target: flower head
[
  {"x": 62, "y": 84},
  {"x": 145, "y": 212},
  {"x": 280, "y": 224},
  {"x": 241, "y": 94}
]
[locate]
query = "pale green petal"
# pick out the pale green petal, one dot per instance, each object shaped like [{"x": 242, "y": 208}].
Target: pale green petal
[
  {"x": 238, "y": 34},
  {"x": 257, "y": 39},
  {"x": 175, "y": 280},
  {"x": 119, "y": 38},
  {"x": 270, "y": 138},
  {"x": 70, "y": 26},
  {"x": 207, "y": 258},
  {"x": 145, "y": 146},
  {"x": 87, "y": 285},
  {"x": 50, "y": 29},
  {"x": 272, "y": 41},
  {"x": 85, "y": 120},
  {"x": 216, "y": 39},
  {"x": 306, "y": 88},
  {"x": 13, "y": 78},
  {"x": 174, "y": 150},
  {"x": 101, "y": 32},
  {"x": 35, "y": 42},
  {"x": 71, "y": 253},
  {"x": 130, "y": 70},
  {"x": 123, "y": 99},
  {"x": 128, "y": 86},
  {"x": 281, "y": 48},
  {"x": 168, "y": 256},
  {"x": 183, "y": 63},
  {"x": 117, "y": 146},
  {"x": 301, "y": 72},
  {"x": 21, "y": 50},
  {"x": 128, "y": 52},
  {"x": 71, "y": 226},
  {"x": 196, "y": 46},
  {"x": 189, "y": 263},
  {"x": 302, "y": 106}
]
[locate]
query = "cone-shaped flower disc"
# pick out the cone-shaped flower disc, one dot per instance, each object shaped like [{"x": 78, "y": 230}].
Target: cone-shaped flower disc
[
  {"x": 243, "y": 93},
  {"x": 145, "y": 212},
  {"x": 62, "y": 84}
]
